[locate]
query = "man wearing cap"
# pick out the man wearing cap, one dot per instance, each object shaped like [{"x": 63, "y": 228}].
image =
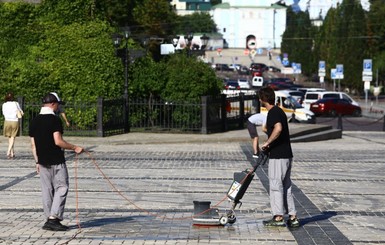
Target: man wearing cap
[{"x": 47, "y": 143}]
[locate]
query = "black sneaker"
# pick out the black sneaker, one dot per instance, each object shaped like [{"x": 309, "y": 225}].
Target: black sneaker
[
  {"x": 274, "y": 222},
  {"x": 54, "y": 225},
  {"x": 293, "y": 223}
]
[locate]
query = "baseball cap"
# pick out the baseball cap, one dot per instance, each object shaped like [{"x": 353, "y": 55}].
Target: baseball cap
[{"x": 52, "y": 98}]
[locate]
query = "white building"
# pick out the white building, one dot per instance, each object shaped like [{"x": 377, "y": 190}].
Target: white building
[{"x": 250, "y": 24}]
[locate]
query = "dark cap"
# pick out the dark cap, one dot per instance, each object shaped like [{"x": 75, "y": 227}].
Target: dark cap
[{"x": 52, "y": 98}]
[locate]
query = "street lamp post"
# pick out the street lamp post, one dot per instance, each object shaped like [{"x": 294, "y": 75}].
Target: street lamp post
[
  {"x": 275, "y": 11},
  {"x": 123, "y": 54}
]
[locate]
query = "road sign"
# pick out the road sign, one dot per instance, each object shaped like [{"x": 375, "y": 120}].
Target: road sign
[
  {"x": 259, "y": 51},
  {"x": 321, "y": 66},
  {"x": 340, "y": 71},
  {"x": 296, "y": 68},
  {"x": 367, "y": 65},
  {"x": 333, "y": 73},
  {"x": 367, "y": 74}
]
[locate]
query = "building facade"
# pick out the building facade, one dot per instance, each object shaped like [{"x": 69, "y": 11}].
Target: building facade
[
  {"x": 185, "y": 7},
  {"x": 250, "y": 24}
]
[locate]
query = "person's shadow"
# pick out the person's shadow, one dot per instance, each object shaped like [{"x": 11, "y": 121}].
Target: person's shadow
[
  {"x": 319, "y": 217},
  {"x": 106, "y": 221}
]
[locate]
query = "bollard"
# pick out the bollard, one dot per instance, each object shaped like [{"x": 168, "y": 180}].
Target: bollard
[
  {"x": 383, "y": 124},
  {"x": 339, "y": 125}
]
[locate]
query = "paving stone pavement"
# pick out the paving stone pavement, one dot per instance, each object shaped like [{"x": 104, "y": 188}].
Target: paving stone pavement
[{"x": 139, "y": 189}]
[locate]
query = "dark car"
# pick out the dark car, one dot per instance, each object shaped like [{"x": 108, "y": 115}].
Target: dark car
[
  {"x": 222, "y": 67},
  {"x": 334, "y": 107},
  {"x": 257, "y": 69},
  {"x": 258, "y": 66},
  {"x": 232, "y": 85},
  {"x": 274, "y": 69}
]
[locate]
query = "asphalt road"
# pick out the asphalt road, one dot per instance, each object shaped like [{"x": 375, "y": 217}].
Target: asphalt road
[{"x": 363, "y": 123}]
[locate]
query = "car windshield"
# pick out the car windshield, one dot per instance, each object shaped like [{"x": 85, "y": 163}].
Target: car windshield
[{"x": 294, "y": 102}]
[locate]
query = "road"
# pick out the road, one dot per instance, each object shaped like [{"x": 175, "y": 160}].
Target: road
[{"x": 354, "y": 123}]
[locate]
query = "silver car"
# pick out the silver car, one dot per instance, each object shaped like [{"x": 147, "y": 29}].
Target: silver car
[{"x": 244, "y": 83}]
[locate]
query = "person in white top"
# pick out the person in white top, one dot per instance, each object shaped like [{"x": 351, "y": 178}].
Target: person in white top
[
  {"x": 252, "y": 123},
  {"x": 11, "y": 122}
]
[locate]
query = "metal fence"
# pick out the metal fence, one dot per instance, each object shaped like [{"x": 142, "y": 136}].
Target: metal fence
[{"x": 106, "y": 117}]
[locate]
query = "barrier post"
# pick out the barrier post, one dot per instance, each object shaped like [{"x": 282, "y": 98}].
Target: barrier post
[
  {"x": 383, "y": 124},
  {"x": 339, "y": 125}
]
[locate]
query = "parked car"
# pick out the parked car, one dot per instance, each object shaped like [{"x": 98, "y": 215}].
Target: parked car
[
  {"x": 244, "y": 83},
  {"x": 293, "y": 110},
  {"x": 311, "y": 97},
  {"x": 274, "y": 69},
  {"x": 278, "y": 85},
  {"x": 258, "y": 66},
  {"x": 235, "y": 67},
  {"x": 298, "y": 95},
  {"x": 334, "y": 107},
  {"x": 257, "y": 81},
  {"x": 257, "y": 69},
  {"x": 222, "y": 67},
  {"x": 232, "y": 85}
]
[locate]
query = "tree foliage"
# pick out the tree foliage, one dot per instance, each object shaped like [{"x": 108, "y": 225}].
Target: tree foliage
[
  {"x": 297, "y": 39},
  {"x": 342, "y": 39},
  {"x": 197, "y": 22}
]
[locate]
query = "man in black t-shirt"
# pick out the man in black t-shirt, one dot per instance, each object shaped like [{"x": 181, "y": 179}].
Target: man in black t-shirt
[
  {"x": 280, "y": 160},
  {"x": 46, "y": 132}
]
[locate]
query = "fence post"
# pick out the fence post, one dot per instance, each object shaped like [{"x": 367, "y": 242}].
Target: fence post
[
  {"x": 223, "y": 113},
  {"x": 204, "y": 114},
  {"x": 339, "y": 124},
  {"x": 257, "y": 104},
  {"x": 99, "y": 126},
  {"x": 241, "y": 110},
  {"x": 20, "y": 100}
]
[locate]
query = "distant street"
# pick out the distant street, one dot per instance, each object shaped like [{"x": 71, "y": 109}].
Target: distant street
[{"x": 354, "y": 123}]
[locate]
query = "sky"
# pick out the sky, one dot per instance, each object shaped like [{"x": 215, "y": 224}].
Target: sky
[{"x": 317, "y": 5}]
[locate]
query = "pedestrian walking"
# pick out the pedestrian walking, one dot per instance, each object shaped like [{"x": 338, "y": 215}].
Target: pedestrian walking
[
  {"x": 48, "y": 146},
  {"x": 280, "y": 162},
  {"x": 11, "y": 112},
  {"x": 253, "y": 121},
  {"x": 60, "y": 111}
]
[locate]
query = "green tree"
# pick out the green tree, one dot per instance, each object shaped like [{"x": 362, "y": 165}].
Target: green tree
[
  {"x": 297, "y": 40},
  {"x": 188, "y": 79},
  {"x": 342, "y": 40},
  {"x": 376, "y": 32},
  {"x": 197, "y": 23},
  {"x": 155, "y": 17}
]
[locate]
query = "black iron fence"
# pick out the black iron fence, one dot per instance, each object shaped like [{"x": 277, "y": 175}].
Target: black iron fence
[{"x": 105, "y": 117}]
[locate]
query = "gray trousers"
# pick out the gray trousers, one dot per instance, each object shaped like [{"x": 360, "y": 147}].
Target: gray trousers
[
  {"x": 54, "y": 186},
  {"x": 281, "y": 197}
]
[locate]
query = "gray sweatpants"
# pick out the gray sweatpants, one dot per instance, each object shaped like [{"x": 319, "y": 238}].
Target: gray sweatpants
[
  {"x": 54, "y": 186},
  {"x": 281, "y": 197}
]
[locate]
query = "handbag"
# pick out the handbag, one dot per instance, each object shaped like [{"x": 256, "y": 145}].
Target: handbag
[{"x": 19, "y": 113}]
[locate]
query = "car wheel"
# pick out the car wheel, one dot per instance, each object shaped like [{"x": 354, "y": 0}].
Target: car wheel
[{"x": 357, "y": 113}]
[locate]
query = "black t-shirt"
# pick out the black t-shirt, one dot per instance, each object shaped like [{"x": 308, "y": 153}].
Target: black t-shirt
[
  {"x": 41, "y": 129},
  {"x": 279, "y": 148}
]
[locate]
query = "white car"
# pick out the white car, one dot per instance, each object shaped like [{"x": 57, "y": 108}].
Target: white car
[
  {"x": 244, "y": 83},
  {"x": 311, "y": 97},
  {"x": 292, "y": 109},
  {"x": 257, "y": 81}
]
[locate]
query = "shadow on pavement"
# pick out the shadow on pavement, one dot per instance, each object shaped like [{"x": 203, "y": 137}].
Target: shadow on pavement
[{"x": 323, "y": 216}]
